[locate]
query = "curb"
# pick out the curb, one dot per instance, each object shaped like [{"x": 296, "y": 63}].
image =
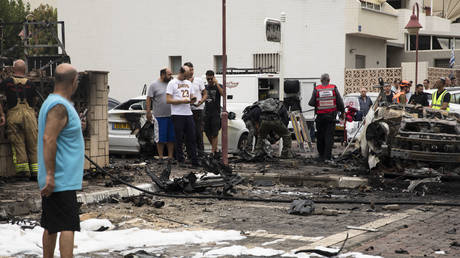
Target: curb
[
  {"x": 13, "y": 208},
  {"x": 330, "y": 180}
]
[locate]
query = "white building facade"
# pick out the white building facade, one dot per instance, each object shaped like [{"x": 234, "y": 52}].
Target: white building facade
[{"x": 133, "y": 40}]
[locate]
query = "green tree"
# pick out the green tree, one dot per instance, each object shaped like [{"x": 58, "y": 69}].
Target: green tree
[
  {"x": 42, "y": 33},
  {"x": 12, "y": 11}
]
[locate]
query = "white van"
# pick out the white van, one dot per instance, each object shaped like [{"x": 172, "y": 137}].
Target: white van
[{"x": 245, "y": 89}]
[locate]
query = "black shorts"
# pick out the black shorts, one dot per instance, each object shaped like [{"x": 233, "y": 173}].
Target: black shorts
[
  {"x": 60, "y": 212},
  {"x": 212, "y": 125}
]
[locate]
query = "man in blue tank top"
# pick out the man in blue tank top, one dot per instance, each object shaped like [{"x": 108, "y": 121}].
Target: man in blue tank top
[{"x": 60, "y": 163}]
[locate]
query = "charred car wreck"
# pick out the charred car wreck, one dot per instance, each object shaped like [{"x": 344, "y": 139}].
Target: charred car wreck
[{"x": 396, "y": 133}]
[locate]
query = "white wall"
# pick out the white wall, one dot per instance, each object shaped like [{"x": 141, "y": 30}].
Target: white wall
[
  {"x": 133, "y": 39},
  {"x": 375, "y": 51}
]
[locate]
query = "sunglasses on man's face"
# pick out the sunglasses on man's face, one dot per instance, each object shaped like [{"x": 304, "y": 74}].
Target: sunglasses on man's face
[{"x": 209, "y": 79}]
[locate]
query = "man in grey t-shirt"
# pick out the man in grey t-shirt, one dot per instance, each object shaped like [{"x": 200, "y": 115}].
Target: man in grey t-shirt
[{"x": 162, "y": 112}]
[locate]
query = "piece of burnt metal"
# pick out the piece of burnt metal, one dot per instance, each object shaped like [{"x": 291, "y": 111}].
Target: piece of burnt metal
[{"x": 224, "y": 178}]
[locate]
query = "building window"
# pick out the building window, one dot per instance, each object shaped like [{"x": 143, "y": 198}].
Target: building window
[
  {"x": 442, "y": 43},
  {"x": 372, "y": 6},
  {"x": 269, "y": 62},
  {"x": 423, "y": 42},
  {"x": 218, "y": 63},
  {"x": 442, "y": 63},
  {"x": 360, "y": 62},
  {"x": 457, "y": 44},
  {"x": 175, "y": 63}
]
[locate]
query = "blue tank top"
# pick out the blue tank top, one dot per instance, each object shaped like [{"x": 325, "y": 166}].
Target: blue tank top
[{"x": 70, "y": 150}]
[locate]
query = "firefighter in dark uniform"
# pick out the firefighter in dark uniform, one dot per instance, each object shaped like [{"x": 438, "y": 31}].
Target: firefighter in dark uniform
[
  {"x": 21, "y": 122},
  {"x": 327, "y": 102},
  {"x": 274, "y": 118}
]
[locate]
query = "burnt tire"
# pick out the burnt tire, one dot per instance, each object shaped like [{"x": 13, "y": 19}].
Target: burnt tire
[{"x": 243, "y": 141}]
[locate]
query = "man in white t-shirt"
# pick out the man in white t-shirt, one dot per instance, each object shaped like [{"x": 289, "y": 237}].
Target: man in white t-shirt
[
  {"x": 201, "y": 95},
  {"x": 179, "y": 94}
]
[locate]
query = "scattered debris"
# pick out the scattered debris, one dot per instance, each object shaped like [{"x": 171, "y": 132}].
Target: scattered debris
[
  {"x": 370, "y": 248},
  {"x": 452, "y": 231},
  {"x": 24, "y": 223},
  {"x": 302, "y": 207},
  {"x": 401, "y": 251},
  {"x": 391, "y": 207},
  {"x": 139, "y": 254},
  {"x": 363, "y": 229},
  {"x": 455, "y": 243},
  {"x": 143, "y": 199},
  {"x": 414, "y": 183},
  {"x": 96, "y": 225},
  {"x": 440, "y": 252},
  {"x": 224, "y": 177},
  {"x": 323, "y": 252}
]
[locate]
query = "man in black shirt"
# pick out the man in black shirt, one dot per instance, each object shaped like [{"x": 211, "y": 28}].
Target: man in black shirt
[
  {"x": 420, "y": 97},
  {"x": 212, "y": 123}
]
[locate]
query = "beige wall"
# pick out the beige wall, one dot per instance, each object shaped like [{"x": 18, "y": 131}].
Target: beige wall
[
  {"x": 375, "y": 51},
  {"x": 379, "y": 24},
  {"x": 408, "y": 72}
]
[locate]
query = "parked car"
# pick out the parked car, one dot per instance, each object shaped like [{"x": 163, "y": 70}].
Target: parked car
[
  {"x": 123, "y": 142},
  {"x": 112, "y": 103}
]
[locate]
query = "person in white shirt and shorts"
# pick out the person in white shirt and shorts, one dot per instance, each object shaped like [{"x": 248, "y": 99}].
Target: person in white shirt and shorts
[{"x": 179, "y": 94}]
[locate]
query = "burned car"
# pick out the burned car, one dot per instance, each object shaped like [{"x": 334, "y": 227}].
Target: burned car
[{"x": 415, "y": 133}]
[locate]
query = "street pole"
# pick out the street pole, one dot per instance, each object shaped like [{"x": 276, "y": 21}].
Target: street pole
[
  {"x": 281, "y": 79},
  {"x": 416, "y": 58},
  {"x": 224, "y": 85},
  {"x": 413, "y": 27},
  {"x": 281, "y": 54}
]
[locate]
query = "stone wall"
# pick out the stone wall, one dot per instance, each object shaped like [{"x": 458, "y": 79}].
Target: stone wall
[
  {"x": 434, "y": 73},
  {"x": 355, "y": 79},
  {"x": 97, "y": 139}
]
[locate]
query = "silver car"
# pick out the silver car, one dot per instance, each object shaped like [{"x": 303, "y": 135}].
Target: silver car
[{"x": 122, "y": 141}]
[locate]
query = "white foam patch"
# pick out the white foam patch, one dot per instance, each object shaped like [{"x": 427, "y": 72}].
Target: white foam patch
[
  {"x": 237, "y": 250},
  {"x": 95, "y": 224},
  {"x": 15, "y": 241}
]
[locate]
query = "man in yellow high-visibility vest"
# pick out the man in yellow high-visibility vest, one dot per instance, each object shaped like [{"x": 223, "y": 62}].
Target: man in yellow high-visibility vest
[{"x": 440, "y": 99}]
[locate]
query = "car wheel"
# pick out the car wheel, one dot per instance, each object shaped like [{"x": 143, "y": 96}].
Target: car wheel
[{"x": 243, "y": 141}]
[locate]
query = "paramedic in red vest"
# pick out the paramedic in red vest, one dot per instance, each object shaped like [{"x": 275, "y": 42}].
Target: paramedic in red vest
[{"x": 327, "y": 102}]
